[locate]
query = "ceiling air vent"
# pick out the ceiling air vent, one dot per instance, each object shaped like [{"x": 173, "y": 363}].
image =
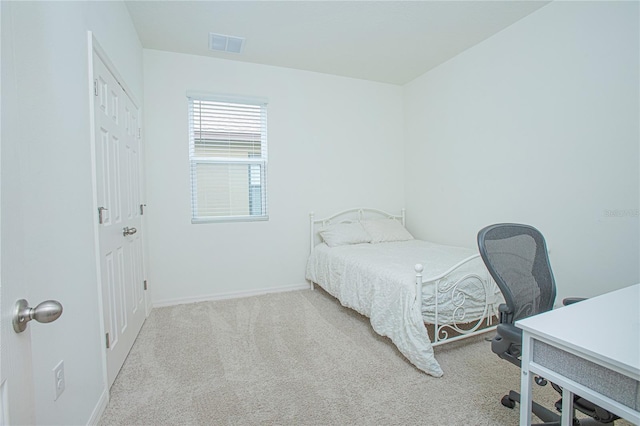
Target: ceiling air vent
[{"x": 225, "y": 43}]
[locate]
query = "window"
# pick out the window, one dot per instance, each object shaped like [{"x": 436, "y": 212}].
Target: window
[{"x": 228, "y": 155}]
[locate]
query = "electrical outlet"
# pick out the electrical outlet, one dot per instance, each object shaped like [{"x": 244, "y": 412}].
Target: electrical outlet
[{"x": 58, "y": 377}]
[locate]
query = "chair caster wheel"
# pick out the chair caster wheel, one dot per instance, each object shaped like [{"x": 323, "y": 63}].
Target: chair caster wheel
[
  {"x": 540, "y": 381},
  {"x": 508, "y": 402}
]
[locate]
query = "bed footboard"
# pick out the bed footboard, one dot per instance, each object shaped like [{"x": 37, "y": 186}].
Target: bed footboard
[{"x": 461, "y": 302}]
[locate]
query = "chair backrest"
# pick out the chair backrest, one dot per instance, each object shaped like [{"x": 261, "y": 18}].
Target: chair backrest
[{"x": 517, "y": 259}]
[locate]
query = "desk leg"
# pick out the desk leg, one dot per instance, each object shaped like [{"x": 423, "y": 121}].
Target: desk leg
[
  {"x": 567, "y": 408},
  {"x": 526, "y": 380}
]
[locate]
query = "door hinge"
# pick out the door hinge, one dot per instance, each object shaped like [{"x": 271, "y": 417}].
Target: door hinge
[
  {"x": 145, "y": 285},
  {"x": 108, "y": 342},
  {"x": 95, "y": 87},
  {"x": 142, "y": 206},
  {"x": 100, "y": 218}
]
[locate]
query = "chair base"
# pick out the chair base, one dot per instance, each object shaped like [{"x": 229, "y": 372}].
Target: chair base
[
  {"x": 543, "y": 413},
  {"x": 550, "y": 418}
]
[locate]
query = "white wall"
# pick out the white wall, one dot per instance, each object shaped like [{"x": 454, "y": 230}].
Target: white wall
[
  {"x": 49, "y": 181},
  {"x": 334, "y": 143},
  {"x": 538, "y": 124}
]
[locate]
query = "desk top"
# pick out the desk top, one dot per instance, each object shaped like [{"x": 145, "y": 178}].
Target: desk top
[{"x": 605, "y": 327}]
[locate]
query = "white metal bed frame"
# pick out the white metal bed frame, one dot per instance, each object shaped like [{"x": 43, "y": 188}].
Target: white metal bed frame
[{"x": 446, "y": 287}]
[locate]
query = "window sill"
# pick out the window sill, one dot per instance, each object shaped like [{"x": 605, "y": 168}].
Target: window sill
[{"x": 223, "y": 219}]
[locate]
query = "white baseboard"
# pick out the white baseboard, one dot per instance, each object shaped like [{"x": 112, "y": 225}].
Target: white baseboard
[
  {"x": 103, "y": 401},
  {"x": 223, "y": 296}
]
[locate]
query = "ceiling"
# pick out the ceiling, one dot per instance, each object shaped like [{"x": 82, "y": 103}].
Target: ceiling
[{"x": 385, "y": 41}]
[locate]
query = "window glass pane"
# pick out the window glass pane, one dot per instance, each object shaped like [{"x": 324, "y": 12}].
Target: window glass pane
[{"x": 227, "y": 130}]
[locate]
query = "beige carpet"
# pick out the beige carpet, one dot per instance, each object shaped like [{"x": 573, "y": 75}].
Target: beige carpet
[{"x": 299, "y": 358}]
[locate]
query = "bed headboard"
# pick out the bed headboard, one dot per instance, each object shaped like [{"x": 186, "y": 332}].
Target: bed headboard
[{"x": 347, "y": 216}]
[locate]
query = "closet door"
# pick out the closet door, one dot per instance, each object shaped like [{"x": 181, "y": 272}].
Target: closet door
[{"x": 119, "y": 213}]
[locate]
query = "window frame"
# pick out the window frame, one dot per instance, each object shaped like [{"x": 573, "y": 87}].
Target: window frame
[{"x": 251, "y": 161}]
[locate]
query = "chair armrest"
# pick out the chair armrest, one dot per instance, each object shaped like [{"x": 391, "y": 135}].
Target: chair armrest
[
  {"x": 510, "y": 332},
  {"x": 506, "y": 316},
  {"x": 571, "y": 300}
]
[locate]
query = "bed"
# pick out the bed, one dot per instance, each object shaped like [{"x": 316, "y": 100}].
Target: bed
[{"x": 408, "y": 288}]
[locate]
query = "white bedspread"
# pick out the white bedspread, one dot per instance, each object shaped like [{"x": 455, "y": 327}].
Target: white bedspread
[{"x": 378, "y": 281}]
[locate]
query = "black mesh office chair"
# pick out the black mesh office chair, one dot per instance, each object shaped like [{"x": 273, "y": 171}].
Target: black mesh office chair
[{"x": 516, "y": 257}]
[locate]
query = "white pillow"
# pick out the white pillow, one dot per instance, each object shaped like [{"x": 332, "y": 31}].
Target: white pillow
[
  {"x": 386, "y": 230},
  {"x": 344, "y": 233}
]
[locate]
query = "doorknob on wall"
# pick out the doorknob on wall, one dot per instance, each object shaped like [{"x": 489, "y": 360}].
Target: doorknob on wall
[{"x": 47, "y": 311}]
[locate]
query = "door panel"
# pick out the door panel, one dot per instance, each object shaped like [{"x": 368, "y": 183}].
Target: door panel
[
  {"x": 17, "y": 399},
  {"x": 118, "y": 194}
]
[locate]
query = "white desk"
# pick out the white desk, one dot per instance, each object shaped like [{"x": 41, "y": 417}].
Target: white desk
[{"x": 591, "y": 349}]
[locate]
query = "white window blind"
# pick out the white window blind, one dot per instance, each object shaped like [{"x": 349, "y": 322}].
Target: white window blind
[{"x": 228, "y": 155}]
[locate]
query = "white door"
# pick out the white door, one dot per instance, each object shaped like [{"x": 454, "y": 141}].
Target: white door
[
  {"x": 119, "y": 211},
  {"x": 16, "y": 377}
]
